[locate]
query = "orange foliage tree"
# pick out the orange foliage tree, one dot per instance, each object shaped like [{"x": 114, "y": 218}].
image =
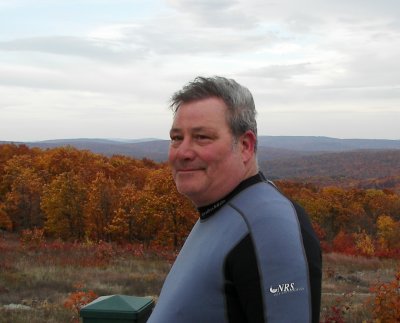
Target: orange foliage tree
[
  {"x": 386, "y": 300},
  {"x": 5, "y": 221},
  {"x": 344, "y": 243},
  {"x": 22, "y": 202},
  {"x": 364, "y": 244},
  {"x": 128, "y": 171},
  {"x": 62, "y": 203},
  {"x": 100, "y": 207},
  {"x": 79, "y": 298},
  {"x": 76, "y": 194},
  {"x": 176, "y": 213},
  {"x": 125, "y": 222},
  {"x": 388, "y": 233},
  {"x": 13, "y": 159}
]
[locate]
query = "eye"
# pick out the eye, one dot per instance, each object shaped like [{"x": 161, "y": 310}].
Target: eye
[
  {"x": 176, "y": 139},
  {"x": 202, "y": 138}
]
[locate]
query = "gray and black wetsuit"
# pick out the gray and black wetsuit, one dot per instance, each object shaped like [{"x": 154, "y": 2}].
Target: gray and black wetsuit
[{"x": 252, "y": 257}]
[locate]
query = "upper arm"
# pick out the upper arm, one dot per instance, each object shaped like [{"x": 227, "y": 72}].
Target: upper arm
[{"x": 244, "y": 301}]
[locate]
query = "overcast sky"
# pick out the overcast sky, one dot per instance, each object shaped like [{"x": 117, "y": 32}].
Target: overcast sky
[{"x": 107, "y": 68}]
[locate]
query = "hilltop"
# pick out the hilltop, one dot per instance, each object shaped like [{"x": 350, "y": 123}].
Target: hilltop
[
  {"x": 364, "y": 163},
  {"x": 270, "y": 147}
]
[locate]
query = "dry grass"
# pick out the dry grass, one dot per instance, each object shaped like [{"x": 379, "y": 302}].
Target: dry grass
[
  {"x": 43, "y": 278},
  {"x": 347, "y": 281}
]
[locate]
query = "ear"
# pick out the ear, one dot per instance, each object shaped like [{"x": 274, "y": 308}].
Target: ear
[{"x": 247, "y": 144}]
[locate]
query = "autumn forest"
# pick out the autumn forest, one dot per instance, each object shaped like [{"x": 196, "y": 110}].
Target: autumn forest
[{"x": 77, "y": 195}]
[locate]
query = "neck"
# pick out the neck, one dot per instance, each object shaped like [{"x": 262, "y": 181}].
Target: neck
[{"x": 208, "y": 210}]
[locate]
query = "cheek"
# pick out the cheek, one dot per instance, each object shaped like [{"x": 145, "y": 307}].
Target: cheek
[
  {"x": 171, "y": 155},
  {"x": 216, "y": 159}
]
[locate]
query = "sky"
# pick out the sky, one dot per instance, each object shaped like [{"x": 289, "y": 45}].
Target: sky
[{"x": 107, "y": 68}]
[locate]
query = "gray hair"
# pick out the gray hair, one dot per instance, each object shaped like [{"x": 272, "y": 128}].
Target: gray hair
[{"x": 239, "y": 100}]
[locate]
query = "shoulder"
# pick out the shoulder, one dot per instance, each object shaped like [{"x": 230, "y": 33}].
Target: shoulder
[{"x": 263, "y": 202}]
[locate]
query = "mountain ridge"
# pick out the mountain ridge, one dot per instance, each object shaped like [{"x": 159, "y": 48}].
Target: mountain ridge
[
  {"x": 269, "y": 147},
  {"x": 324, "y": 161}
]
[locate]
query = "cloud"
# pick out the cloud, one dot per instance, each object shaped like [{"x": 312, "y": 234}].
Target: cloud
[
  {"x": 280, "y": 72},
  {"x": 76, "y": 46},
  {"x": 218, "y": 14},
  {"x": 298, "y": 58},
  {"x": 180, "y": 35},
  {"x": 132, "y": 42}
]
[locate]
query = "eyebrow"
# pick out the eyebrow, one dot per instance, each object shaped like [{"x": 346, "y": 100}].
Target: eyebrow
[{"x": 196, "y": 129}]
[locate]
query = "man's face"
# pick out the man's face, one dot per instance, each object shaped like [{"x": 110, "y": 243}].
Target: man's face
[{"x": 206, "y": 162}]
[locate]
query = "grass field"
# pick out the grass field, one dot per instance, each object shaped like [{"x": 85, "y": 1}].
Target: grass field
[{"x": 36, "y": 281}]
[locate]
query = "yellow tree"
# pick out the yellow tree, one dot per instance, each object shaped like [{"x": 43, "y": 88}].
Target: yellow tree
[
  {"x": 148, "y": 220},
  {"x": 336, "y": 211},
  {"x": 364, "y": 244},
  {"x": 344, "y": 211},
  {"x": 126, "y": 219},
  {"x": 135, "y": 217},
  {"x": 12, "y": 169},
  {"x": 175, "y": 213},
  {"x": 100, "y": 207},
  {"x": 10, "y": 164},
  {"x": 62, "y": 203},
  {"x": 68, "y": 159},
  {"x": 388, "y": 232},
  {"x": 128, "y": 171},
  {"x": 377, "y": 202}
]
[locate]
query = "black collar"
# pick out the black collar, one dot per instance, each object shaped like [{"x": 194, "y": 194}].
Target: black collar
[{"x": 208, "y": 210}]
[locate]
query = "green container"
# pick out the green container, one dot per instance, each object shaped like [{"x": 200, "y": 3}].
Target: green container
[{"x": 117, "y": 308}]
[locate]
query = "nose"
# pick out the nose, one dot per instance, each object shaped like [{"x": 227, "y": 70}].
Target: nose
[{"x": 184, "y": 150}]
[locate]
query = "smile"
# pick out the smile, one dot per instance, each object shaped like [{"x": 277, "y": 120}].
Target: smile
[{"x": 189, "y": 170}]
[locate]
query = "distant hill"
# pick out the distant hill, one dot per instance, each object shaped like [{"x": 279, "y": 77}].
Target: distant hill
[
  {"x": 360, "y": 164},
  {"x": 270, "y": 147},
  {"x": 154, "y": 149},
  {"x": 319, "y": 144},
  {"x": 322, "y": 160},
  {"x": 361, "y": 168}
]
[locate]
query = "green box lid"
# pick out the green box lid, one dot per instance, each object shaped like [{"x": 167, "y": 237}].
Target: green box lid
[{"x": 117, "y": 306}]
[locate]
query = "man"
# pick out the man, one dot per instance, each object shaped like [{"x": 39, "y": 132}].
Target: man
[{"x": 252, "y": 256}]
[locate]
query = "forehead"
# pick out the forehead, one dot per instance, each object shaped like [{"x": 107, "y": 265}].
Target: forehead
[{"x": 210, "y": 112}]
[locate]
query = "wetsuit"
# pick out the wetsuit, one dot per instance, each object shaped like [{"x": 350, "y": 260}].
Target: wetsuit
[{"x": 251, "y": 257}]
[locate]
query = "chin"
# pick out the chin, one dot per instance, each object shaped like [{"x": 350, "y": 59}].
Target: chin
[{"x": 188, "y": 190}]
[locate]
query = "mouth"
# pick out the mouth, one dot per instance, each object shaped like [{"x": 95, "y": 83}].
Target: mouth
[{"x": 188, "y": 170}]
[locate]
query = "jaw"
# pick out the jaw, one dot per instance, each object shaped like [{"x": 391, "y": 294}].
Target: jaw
[
  {"x": 188, "y": 177},
  {"x": 191, "y": 183}
]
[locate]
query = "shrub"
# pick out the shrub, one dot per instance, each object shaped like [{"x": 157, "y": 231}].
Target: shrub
[
  {"x": 32, "y": 238},
  {"x": 79, "y": 298},
  {"x": 344, "y": 243},
  {"x": 337, "y": 312},
  {"x": 386, "y": 302},
  {"x": 364, "y": 244}
]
